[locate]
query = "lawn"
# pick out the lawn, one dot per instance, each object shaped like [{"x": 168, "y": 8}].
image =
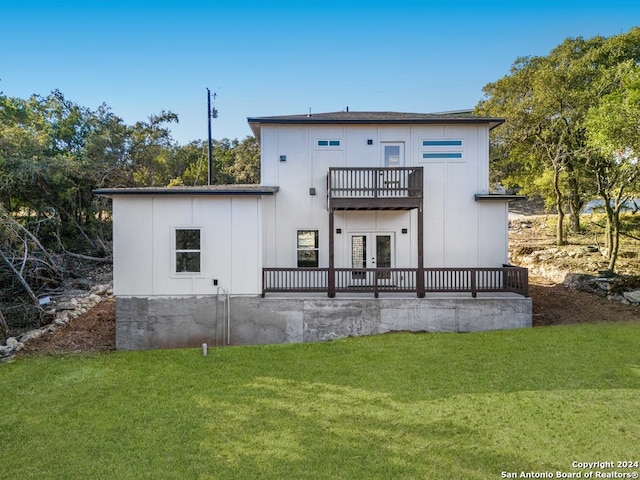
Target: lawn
[{"x": 399, "y": 406}]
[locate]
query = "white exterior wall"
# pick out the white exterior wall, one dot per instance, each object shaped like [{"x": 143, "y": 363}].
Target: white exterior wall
[
  {"x": 458, "y": 230},
  {"x": 144, "y": 249}
]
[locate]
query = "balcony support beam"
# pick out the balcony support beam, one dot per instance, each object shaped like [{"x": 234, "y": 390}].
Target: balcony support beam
[
  {"x": 420, "y": 278},
  {"x": 331, "y": 281}
]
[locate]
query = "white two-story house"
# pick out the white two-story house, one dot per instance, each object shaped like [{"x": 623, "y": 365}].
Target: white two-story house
[{"x": 364, "y": 222}]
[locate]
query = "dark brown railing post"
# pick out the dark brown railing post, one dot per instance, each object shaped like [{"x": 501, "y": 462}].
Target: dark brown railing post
[
  {"x": 331, "y": 281},
  {"x": 525, "y": 281},
  {"x": 474, "y": 288},
  {"x": 420, "y": 272},
  {"x": 375, "y": 283}
]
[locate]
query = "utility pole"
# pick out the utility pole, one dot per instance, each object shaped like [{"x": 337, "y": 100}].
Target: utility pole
[{"x": 209, "y": 115}]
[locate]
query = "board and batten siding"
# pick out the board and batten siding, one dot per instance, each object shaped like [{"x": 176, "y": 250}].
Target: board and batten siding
[
  {"x": 144, "y": 244},
  {"x": 458, "y": 231}
]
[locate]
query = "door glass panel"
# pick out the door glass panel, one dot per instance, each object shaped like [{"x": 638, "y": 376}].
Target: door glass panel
[
  {"x": 358, "y": 255},
  {"x": 383, "y": 251},
  {"x": 383, "y": 255}
]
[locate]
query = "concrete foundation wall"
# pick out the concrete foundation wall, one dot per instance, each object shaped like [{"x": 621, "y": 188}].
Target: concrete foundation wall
[{"x": 173, "y": 322}]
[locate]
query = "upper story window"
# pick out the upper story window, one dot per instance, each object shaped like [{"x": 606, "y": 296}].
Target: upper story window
[
  {"x": 442, "y": 150},
  {"x": 393, "y": 154},
  {"x": 188, "y": 250},
  {"x": 442, "y": 143},
  {"x": 326, "y": 143}
]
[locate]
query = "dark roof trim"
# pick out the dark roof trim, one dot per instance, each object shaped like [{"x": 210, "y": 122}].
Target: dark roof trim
[
  {"x": 213, "y": 190},
  {"x": 374, "y": 118},
  {"x": 481, "y": 197}
]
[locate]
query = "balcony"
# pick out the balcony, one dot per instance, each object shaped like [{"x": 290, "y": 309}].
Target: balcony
[
  {"x": 396, "y": 280},
  {"x": 390, "y": 188}
]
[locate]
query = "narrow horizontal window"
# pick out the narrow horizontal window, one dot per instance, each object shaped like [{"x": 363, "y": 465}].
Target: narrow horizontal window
[
  {"x": 442, "y": 143},
  {"x": 442, "y": 155},
  {"x": 329, "y": 143}
]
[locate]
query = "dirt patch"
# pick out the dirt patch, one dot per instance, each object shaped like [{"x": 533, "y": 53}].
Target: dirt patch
[
  {"x": 555, "y": 304},
  {"x": 94, "y": 331}
]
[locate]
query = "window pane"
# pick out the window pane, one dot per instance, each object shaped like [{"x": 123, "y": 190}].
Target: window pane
[
  {"x": 307, "y": 259},
  {"x": 307, "y": 239},
  {"x": 188, "y": 239},
  {"x": 359, "y": 251},
  {"x": 323, "y": 143},
  {"x": 392, "y": 155},
  {"x": 334, "y": 143},
  {"x": 188, "y": 262},
  {"x": 442, "y": 143},
  {"x": 383, "y": 251}
]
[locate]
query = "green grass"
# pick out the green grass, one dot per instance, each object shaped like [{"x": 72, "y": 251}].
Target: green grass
[{"x": 448, "y": 406}]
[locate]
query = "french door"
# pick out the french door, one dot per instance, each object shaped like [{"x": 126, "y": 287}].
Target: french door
[{"x": 371, "y": 250}]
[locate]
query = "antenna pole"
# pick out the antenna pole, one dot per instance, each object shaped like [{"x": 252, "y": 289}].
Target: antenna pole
[{"x": 210, "y": 142}]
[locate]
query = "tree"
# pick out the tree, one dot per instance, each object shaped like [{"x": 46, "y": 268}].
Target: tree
[
  {"x": 233, "y": 162},
  {"x": 614, "y": 132},
  {"x": 545, "y": 101}
]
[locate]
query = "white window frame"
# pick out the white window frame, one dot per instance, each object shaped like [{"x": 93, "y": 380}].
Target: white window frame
[
  {"x": 315, "y": 248},
  {"x": 401, "y": 156},
  {"x": 328, "y": 145},
  {"x": 176, "y": 251}
]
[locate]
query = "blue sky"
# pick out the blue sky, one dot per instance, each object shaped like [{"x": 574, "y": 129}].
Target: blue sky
[{"x": 281, "y": 57}]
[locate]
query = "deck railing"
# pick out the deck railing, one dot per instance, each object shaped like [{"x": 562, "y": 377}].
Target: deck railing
[
  {"x": 377, "y": 280},
  {"x": 388, "y": 182}
]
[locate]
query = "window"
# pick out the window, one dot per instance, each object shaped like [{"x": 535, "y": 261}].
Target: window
[
  {"x": 442, "y": 155},
  {"x": 442, "y": 150},
  {"x": 188, "y": 250},
  {"x": 442, "y": 143},
  {"x": 328, "y": 143},
  {"x": 307, "y": 248},
  {"x": 393, "y": 154}
]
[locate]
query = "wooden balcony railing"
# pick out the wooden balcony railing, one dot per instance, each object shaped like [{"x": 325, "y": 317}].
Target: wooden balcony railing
[
  {"x": 401, "y": 187},
  {"x": 376, "y": 280}
]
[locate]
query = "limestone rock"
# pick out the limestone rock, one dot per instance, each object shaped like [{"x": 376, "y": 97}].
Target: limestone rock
[{"x": 633, "y": 296}]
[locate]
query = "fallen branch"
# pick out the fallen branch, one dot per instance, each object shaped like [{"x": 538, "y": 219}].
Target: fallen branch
[
  {"x": 88, "y": 258},
  {"x": 21, "y": 279},
  {"x": 3, "y": 326}
]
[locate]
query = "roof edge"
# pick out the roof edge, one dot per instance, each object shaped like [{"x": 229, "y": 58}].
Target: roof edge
[{"x": 213, "y": 190}]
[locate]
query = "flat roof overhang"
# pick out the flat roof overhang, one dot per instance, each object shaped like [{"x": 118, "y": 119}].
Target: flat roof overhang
[
  {"x": 374, "y": 118},
  {"x": 209, "y": 190},
  {"x": 496, "y": 197}
]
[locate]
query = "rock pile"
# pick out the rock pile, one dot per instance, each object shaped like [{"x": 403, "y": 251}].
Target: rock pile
[
  {"x": 623, "y": 288},
  {"x": 62, "y": 312}
]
